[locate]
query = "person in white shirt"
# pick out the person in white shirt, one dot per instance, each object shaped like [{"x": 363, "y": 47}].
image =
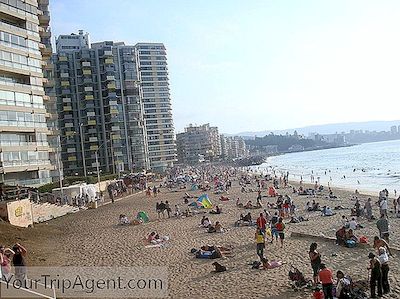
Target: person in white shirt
[
  {"x": 384, "y": 260},
  {"x": 383, "y": 206},
  {"x": 353, "y": 224}
]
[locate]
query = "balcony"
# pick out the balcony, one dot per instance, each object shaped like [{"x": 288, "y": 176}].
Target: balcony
[{"x": 44, "y": 19}]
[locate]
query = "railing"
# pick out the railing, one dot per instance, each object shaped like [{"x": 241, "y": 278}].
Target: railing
[
  {"x": 19, "y": 29},
  {"x": 25, "y": 163},
  {"x": 22, "y": 143}
]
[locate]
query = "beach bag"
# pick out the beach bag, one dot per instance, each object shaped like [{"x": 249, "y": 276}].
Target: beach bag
[
  {"x": 350, "y": 243},
  {"x": 363, "y": 239}
]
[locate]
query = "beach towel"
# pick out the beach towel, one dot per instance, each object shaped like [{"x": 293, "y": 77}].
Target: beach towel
[{"x": 143, "y": 216}]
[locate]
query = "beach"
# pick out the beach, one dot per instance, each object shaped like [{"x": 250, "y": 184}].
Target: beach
[{"x": 93, "y": 238}]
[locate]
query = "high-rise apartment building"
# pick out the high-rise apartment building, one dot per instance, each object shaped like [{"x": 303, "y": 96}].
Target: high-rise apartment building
[
  {"x": 153, "y": 74},
  {"x": 100, "y": 106},
  {"x": 233, "y": 147},
  {"x": 198, "y": 144},
  {"x": 24, "y": 157}
]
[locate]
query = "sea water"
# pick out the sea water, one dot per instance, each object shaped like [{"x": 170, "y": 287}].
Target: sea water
[{"x": 368, "y": 167}]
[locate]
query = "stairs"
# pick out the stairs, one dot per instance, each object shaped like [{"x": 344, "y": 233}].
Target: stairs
[{"x": 46, "y": 211}]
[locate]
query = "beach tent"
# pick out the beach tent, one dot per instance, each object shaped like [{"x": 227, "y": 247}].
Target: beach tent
[
  {"x": 142, "y": 215},
  {"x": 204, "y": 201}
]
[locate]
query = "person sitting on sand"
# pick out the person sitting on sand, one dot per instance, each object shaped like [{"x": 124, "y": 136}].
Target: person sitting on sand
[
  {"x": 177, "y": 211},
  {"x": 345, "y": 221},
  {"x": 308, "y": 206},
  {"x": 353, "y": 224},
  {"x": 249, "y": 205},
  {"x": 341, "y": 236},
  {"x": 123, "y": 219},
  {"x": 153, "y": 238},
  {"x": 218, "y": 227},
  {"x": 327, "y": 211},
  {"x": 332, "y": 196},
  {"x": 217, "y": 210},
  {"x": 247, "y": 218},
  {"x": 206, "y": 222},
  {"x": 239, "y": 204},
  {"x": 350, "y": 236}
]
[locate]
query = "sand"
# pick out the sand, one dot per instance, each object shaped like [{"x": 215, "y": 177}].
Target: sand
[{"x": 91, "y": 238}]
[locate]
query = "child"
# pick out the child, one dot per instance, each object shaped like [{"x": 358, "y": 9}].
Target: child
[
  {"x": 260, "y": 240},
  {"x": 318, "y": 294}
]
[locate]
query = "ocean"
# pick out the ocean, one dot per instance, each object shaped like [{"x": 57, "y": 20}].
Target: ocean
[{"x": 368, "y": 167}]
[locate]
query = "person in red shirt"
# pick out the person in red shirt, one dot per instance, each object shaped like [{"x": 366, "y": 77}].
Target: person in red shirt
[
  {"x": 261, "y": 222},
  {"x": 326, "y": 278}
]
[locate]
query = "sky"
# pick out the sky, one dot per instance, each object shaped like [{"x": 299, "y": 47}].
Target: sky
[{"x": 259, "y": 65}]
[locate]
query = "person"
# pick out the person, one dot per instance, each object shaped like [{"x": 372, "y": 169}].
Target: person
[
  {"x": 343, "y": 286},
  {"x": 274, "y": 232},
  {"x": 247, "y": 218},
  {"x": 376, "y": 275},
  {"x": 353, "y": 224},
  {"x": 384, "y": 260},
  {"x": 383, "y": 206},
  {"x": 368, "y": 209},
  {"x": 341, "y": 236},
  {"x": 266, "y": 264},
  {"x": 350, "y": 236},
  {"x": 280, "y": 227},
  {"x": 260, "y": 241},
  {"x": 218, "y": 227},
  {"x": 5, "y": 262},
  {"x": 206, "y": 222},
  {"x": 383, "y": 226},
  {"x": 123, "y": 219},
  {"x": 261, "y": 222},
  {"x": 318, "y": 293},
  {"x": 19, "y": 262},
  {"x": 315, "y": 259},
  {"x": 217, "y": 210},
  {"x": 325, "y": 275},
  {"x": 162, "y": 208},
  {"x": 379, "y": 242},
  {"x": 168, "y": 209},
  {"x": 177, "y": 211}
]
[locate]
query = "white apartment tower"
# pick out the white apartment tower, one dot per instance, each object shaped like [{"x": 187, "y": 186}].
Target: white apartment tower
[{"x": 153, "y": 75}]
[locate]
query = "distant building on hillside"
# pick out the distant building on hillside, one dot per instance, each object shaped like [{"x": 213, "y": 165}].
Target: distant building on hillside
[
  {"x": 393, "y": 129},
  {"x": 233, "y": 147},
  {"x": 198, "y": 143}
]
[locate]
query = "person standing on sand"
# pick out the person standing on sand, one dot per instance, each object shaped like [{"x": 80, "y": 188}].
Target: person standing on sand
[
  {"x": 168, "y": 208},
  {"x": 383, "y": 226},
  {"x": 326, "y": 277},
  {"x": 260, "y": 241},
  {"x": 315, "y": 258},
  {"x": 261, "y": 223},
  {"x": 19, "y": 263},
  {"x": 280, "y": 227},
  {"x": 368, "y": 209},
  {"x": 384, "y": 260},
  {"x": 383, "y": 206},
  {"x": 376, "y": 275}
]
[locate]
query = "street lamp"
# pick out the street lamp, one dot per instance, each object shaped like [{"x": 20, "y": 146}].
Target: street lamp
[
  {"x": 59, "y": 164},
  {"x": 97, "y": 161}
]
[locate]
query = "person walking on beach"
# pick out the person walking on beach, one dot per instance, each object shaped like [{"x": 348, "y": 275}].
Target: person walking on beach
[
  {"x": 326, "y": 277},
  {"x": 260, "y": 241},
  {"x": 383, "y": 226},
  {"x": 315, "y": 259},
  {"x": 376, "y": 276}
]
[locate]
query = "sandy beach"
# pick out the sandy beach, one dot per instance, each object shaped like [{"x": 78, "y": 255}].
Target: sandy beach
[{"x": 92, "y": 238}]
